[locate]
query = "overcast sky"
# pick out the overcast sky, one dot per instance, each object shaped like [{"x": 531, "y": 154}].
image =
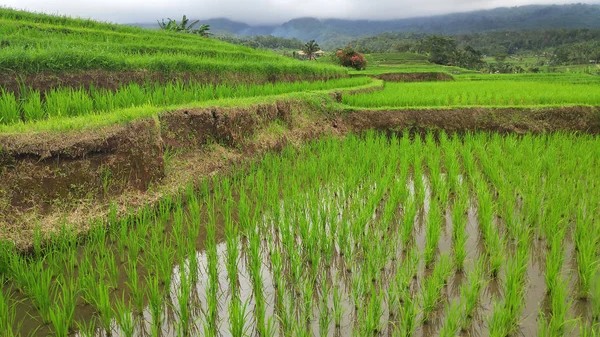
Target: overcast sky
[{"x": 259, "y": 11}]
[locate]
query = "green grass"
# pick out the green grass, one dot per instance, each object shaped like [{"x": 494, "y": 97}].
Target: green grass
[
  {"x": 36, "y": 43},
  {"x": 486, "y": 93},
  {"x": 577, "y": 78},
  {"x": 69, "y": 102},
  {"x": 411, "y": 68},
  {"x": 122, "y": 116}
]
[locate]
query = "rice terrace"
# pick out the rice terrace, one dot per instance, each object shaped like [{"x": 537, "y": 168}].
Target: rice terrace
[{"x": 158, "y": 182}]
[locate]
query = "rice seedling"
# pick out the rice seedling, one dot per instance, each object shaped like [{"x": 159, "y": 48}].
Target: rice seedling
[
  {"x": 134, "y": 286},
  {"x": 506, "y": 313},
  {"x": 8, "y": 314},
  {"x": 156, "y": 304},
  {"x": 596, "y": 301},
  {"x": 459, "y": 234},
  {"x": 408, "y": 322},
  {"x": 87, "y": 329},
  {"x": 494, "y": 93},
  {"x": 238, "y": 316},
  {"x": 297, "y": 218},
  {"x": 62, "y": 312},
  {"x": 558, "y": 322},
  {"x": 433, "y": 286},
  {"x": 433, "y": 234},
  {"x": 125, "y": 319},
  {"x": 470, "y": 292},
  {"x": 586, "y": 330},
  {"x": 9, "y": 108},
  {"x": 99, "y": 297},
  {"x": 453, "y": 323},
  {"x": 586, "y": 239},
  {"x": 554, "y": 261}
]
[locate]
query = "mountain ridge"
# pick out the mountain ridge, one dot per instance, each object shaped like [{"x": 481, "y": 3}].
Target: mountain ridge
[{"x": 335, "y": 31}]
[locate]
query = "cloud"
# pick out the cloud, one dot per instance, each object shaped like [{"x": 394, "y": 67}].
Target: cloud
[{"x": 258, "y": 11}]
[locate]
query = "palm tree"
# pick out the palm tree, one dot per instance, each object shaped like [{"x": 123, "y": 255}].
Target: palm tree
[{"x": 310, "y": 49}]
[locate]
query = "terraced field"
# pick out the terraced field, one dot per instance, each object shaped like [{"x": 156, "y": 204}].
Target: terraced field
[{"x": 168, "y": 184}]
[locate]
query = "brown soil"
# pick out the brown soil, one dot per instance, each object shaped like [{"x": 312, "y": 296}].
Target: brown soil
[
  {"x": 51, "y": 178},
  {"x": 415, "y": 77},
  {"x": 518, "y": 120},
  {"x": 112, "y": 80}
]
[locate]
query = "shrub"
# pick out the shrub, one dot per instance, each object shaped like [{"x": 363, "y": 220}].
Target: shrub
[{"x": 348, "y": 57}]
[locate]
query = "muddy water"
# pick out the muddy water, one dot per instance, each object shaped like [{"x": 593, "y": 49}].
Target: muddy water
[{"x": 338, "y": 270}]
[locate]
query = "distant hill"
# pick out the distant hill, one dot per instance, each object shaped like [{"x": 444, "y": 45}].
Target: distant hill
[{"x": 332, "y": 32}]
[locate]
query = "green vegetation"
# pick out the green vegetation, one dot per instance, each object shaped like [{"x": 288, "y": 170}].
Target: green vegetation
[
  {"x": 397, "y": 58},
  {"x": 68, "y": 102},
  {"x": 33, "y": 43},
  {"x": 484, "y": 93},
  {"x": 362, "y": 235},
  {"x": 297, "y": 212}
]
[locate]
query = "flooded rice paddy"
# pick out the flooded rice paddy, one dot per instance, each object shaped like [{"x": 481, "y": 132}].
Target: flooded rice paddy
[{"x": 478, "y": 235}]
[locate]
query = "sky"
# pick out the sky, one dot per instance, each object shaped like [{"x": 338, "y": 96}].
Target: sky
[{"x": 259, "y": 11}]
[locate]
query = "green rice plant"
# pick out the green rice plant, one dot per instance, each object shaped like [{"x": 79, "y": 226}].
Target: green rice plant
[
  {"x": 38, "y": 286},
  {"x": 125, "y": 319},
  {"x": 9, "y": 108},
  {"x": 184, "y": 292},
  {"x": 99, "y": 297},
  {"x": 306, "y": 307},
  {"x": 8, "y": 314},
  {"x": 554, "y": 262},
  {"x": 492, "y": 93},
  {"x": 338, "y": 309},
  {"x": 87, "y": 329},
  {"x": 433, "y": 234},
  {"x": 558, "y": 320},
  {"x": 506, "y": 313},
  {"x": 32, "y": 106},
  {"x": 459, "y": 233},
  {"x": 454, "y": 317},
  {"x": 408, "y": 316},
  {"x": 134, "y": 286},
  {"x": 156, "y": 304},
  {"x": 62, "y": 312},
  {"x": 238, "y": 316},
  {"x": 586, "y": 330},
  {"x": 164, "y": 263},
  {"x": 471, "y": 291},
  {"x": 371, "y": 320},
  {"x": 586, "y": 239},
  {"x": 408, "y": 222},
  {"x": 433, "y": 286},
  {"x": 596, "y": 301}
]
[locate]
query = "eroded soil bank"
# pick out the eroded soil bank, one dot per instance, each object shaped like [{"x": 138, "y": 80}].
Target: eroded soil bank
[
  {"x": 49, "y": 179},
  {"x": 113, "y": 80}
]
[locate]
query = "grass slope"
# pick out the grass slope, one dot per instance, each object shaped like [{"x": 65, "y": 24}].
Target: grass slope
[{"x": 31, "y": 43}]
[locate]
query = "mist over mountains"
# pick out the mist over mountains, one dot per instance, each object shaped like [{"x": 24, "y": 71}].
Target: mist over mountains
[{"x": 331, "y": 31}]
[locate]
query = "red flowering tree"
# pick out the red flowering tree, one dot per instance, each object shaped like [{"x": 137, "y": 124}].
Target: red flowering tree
[{"x": 348, "y": 57}]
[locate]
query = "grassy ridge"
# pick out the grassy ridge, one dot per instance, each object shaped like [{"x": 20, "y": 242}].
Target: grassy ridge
[
  {"x": 69, "y": 102},
  {"x": 574, "y": 78},
  {"x": 36, "y": 43},
  {"x": 311, "y": 93},
  {"x": 492, "y": 93}
]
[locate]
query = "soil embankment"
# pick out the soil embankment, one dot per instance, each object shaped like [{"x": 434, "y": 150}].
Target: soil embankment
[
  {"x": 52, "y": 178},
  {"x": 113, "y": 80},
  {"x": 415, "y": 77}
]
